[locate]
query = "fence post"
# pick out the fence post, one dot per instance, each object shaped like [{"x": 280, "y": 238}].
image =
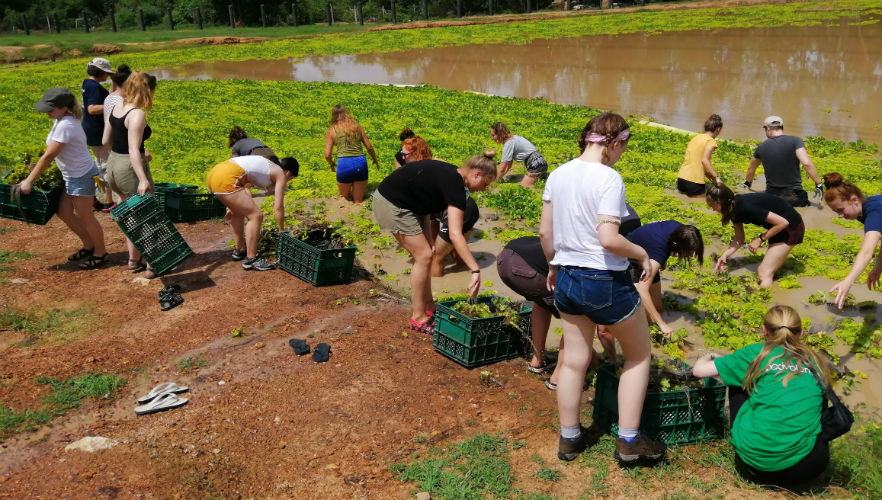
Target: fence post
[
  {"x": 141, "y": 19},
  {"x": 168, "y": 14},
  {"x": 458, "y": 8},
  {"x": 394, "y": 16},
  {"x": 199, "y": 17},
  {"x": 24, "y": 24},
  {"x": 85, "y": 22},
  {"x": 294, "y": 13},
  {"x": 262, "y": 16},
  {"x": 112, "y": 19},
  {"x": 328, "y": 14},
  {"x": 360, "y": 11},
  {"x": 232, "y": 18}
]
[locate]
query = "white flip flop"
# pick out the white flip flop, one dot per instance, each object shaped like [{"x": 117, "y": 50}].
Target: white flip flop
[
  {"x": 163, "y": 388},
  {"x": 164, "y": 401}
]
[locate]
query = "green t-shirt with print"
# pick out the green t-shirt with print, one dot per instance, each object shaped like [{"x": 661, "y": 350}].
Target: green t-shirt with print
[{"x": 777, "y": 426}]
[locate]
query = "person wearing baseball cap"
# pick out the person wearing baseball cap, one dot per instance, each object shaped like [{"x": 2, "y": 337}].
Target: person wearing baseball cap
[
  {"x": 66, "y": 145},
  {"x": 93, "y": 94},
  {"x": 781, "y": 155}
]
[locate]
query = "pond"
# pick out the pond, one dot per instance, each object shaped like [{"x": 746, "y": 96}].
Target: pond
[{"x": 823, "y": 80}]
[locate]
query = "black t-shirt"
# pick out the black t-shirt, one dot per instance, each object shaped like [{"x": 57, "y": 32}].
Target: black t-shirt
[
  {"x": 778, "y": 154},
  {"x": 755, "y": 207},
  {"x": 425, "y": 187},
  {"x": 469, "y": 219},
  {"x": 530, "y": 249}
]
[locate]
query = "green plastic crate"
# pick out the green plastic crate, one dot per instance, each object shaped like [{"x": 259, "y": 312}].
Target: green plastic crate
[
  {"x": 674, "y": 417},
  {"x": 183, "y": 204},
  {"x": 314, "y": 265},
  {"x": 37, "y": 207},
  {"x": 477, "y": 342},
  {"x": 145, "y": 223}
]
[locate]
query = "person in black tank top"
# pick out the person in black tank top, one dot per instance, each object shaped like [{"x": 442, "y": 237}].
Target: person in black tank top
[{"x": 128, "y": 172}]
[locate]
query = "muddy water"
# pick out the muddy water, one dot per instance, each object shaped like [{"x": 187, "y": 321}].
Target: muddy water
[{"x": 823, "y": 80}]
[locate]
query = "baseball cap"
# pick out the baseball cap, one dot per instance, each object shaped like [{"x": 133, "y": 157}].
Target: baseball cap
[
  {"x": 773, "y": 121},
  {"x": 102, "y": 64},
  {"x": 56, "y": 97}
]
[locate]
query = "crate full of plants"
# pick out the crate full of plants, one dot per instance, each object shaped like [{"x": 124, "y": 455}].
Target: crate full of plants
[
  {"x": 146, "y": 224},
  {"x": 490, "y": 330},
  {"x": 679, "y": 408},
  {"x": 186, "y": 203},
  {"x": 36, "y": 207},
  {"x": 317, "y": 255}
]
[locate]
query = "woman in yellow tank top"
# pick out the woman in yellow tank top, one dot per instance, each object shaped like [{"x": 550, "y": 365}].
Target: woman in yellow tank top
[
  {"x": 696, "y": 161},
  {"x": 351, "y": 166}
]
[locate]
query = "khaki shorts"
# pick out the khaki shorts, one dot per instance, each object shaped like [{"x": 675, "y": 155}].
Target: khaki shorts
[
  {"x": 121, "y": 175},
  {"x": 394, "y": 219}
]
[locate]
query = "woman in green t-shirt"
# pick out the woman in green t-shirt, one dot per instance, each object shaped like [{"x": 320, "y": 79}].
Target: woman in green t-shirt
[{"x": 774, "y": 403}]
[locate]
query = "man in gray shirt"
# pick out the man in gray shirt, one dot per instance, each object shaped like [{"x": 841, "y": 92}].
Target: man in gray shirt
[{"x": 781, "y": 155}]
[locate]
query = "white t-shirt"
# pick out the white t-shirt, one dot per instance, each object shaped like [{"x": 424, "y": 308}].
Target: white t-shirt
[
  {"x": 74, "y": 160},
  {"x": 516, "y": 149},
  {"x": 257, "y": 168},
  {"x": 580, "y": 192}
]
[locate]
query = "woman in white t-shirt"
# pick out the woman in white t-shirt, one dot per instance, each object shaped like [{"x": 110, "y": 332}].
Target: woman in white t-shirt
[
  {"x": 228, "y": 181},
  {"x": 583, "y": 205},
  {"x": 66, "y": 145}
]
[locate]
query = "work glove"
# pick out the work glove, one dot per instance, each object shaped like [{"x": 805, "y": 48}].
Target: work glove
[
  {"x": 819, "y": 190},
  {"x": 746, "y": 184}
]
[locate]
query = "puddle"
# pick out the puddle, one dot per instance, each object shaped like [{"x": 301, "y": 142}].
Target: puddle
[{"x": 824, "y": 80}]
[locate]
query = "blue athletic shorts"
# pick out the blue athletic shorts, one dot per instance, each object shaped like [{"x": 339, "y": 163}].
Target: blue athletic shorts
[
  {"x": 352, "y": 169},
  {"x": 605, "y": 297},
  {"x": 82, "y": 186}
]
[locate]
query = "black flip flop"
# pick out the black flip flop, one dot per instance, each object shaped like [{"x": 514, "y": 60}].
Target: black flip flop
[
  {"x": 300, "y": 346},
  {"x": 321, "y": 353}
]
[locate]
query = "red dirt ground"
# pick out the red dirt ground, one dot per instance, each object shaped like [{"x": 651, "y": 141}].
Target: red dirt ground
[{"x": 261, "y": 422}]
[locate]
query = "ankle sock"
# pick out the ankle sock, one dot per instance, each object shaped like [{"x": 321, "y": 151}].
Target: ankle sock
[
  {"x": 629, "y": 435},
  {"x": 571, "y": 433}
]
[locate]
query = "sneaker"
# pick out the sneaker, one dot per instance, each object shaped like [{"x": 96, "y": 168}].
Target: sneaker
[
  {"x": 107, "y": 207},
  {"x": 257, "y": 264},
  {"x": 238, "y": 254},
  {"x": 642, "y": 447},
  {"x": 569, "y": 449}
]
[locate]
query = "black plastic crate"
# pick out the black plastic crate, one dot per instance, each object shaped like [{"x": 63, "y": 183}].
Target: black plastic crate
[
  {"x": 676, "y": 417},
  {"x": 476, "y": 342},
  {"x": 148, "y": 227},
  {"x": 314, "y": 265}
]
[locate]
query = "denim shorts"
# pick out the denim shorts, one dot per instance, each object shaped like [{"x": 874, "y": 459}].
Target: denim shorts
[
  {"x": 605, "y": 297},
  {"x": 82, "y": 186},
  {"x": 352, "y": 169}
]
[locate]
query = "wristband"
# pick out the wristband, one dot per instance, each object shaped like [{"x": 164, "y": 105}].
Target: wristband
[
  {"x": 762, "y": 238},
  {"x": 476, "y": 271}
]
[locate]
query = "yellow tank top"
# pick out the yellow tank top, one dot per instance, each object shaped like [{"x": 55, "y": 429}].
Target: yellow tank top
[{"x": 692, "y": 170}]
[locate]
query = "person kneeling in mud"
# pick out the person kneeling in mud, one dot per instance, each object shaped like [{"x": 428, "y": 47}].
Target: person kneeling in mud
[
  {"x": 227, "y": 180},
  {"x": 443, "y": 246}
]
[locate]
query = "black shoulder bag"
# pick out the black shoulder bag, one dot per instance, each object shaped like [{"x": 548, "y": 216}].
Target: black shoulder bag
[{"x": 836, "y": 418}]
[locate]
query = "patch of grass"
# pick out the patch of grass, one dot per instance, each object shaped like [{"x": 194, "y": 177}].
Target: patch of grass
[
  {"x": 69, "y": 394},
  {"x": 12, "y": 421},
  {"x": 7, "y": 229},
  {"x": 548, "y": 474},
  {"x": 7, "y": 257},
  {"x": 857, "y": 462},
  {"x": 49, "y": 326},
  {"x": 191, "y": 363},
  {"x": 476, "y": 468}
]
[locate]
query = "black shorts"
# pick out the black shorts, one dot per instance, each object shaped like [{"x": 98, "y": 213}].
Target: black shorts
[
  {"x": 791, "y": 236},
  {"x": 636, "y": 271},
  {"x": 796, "y": 197},
  {"x": 524, "y": 280},
  {"x": 690, "y": 188}
]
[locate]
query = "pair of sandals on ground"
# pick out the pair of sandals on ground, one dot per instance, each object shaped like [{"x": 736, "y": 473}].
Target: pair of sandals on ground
[
  {"x": 162, "y": 397},
  {"x": 92, "y": 261}
]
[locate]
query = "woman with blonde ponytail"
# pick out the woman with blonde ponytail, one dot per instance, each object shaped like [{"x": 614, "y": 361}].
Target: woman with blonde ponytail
[{"x": 775, "y": 402}]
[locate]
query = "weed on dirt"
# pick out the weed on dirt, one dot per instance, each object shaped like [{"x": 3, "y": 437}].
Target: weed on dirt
[{"x": 48, "y": 326}]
